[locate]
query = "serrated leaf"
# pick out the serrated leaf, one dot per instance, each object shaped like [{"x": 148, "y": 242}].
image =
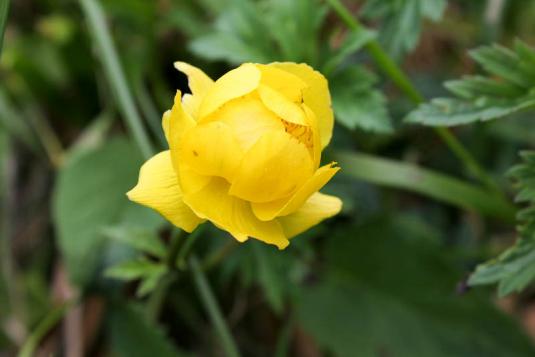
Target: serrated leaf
[
  {"x": 149, "y": 283},
  {"x": 135, "y": 269},
  {"x": 402, "y": 20},
  {"x": 509, "y": 88},
  {"x": 354, "y": 41},
  {"x": 502, "y": 62},
  {"x": 356, "y": 104},
  {"x": 514, "y": 269},
  {"x": 452, "y": 111},
  {"x": 132, "y": 335},
  {"x": 89, "y": 195},
  {"x": 139, "y": 238}
]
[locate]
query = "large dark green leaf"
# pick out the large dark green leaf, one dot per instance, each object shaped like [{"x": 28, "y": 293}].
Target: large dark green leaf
[
  {"x": 389, "y": 290},
  {"x": 89, "y": 195},
  {"x": 133, "y": 335}
]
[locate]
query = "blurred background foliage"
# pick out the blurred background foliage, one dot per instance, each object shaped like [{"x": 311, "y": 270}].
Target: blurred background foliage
[{"x": 85, "y": 272}]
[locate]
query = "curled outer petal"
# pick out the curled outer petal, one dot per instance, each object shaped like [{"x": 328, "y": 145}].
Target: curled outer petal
[
  {"x": 317, "y": 208},
  {"x": 315, "y": 95},
  {"x": 178, "y": 122},
  {"x": 270, "y": 210},
  {"x": 158, "y": 189},
  {"x": 198, "y": 82}
]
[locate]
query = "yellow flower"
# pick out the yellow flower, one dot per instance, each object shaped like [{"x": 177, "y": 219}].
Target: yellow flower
[{"x": 244, "y": 153}]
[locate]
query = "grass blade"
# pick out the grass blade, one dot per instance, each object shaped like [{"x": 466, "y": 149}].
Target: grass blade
[
  {"x": 410, "y": 177},
  {"x": 110, "y": 61}
]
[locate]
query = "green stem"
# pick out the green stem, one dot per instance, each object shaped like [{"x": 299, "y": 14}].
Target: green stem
[
  {"x": 114, "y": 72},
  {"x": 49, "y": 321},
  {"x": 212, "y": 308},
  {"x": 4, "y": 11},
  {"x": 157, "y": 298},
  {"x": 180, "y": 260},
  {"x": 402, "y": 81},
  {"x": 149, "y": 111},
  {"x": 213, "y": 259}
]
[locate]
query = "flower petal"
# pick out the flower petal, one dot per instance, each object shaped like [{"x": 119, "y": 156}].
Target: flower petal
[
  {"x": 178, "y": 123},
  {"x": 282, "y": 81},
  {"x": 158, "y": 189},
  {"x": 211, "y": 149},
  {"x": 275, "y": 166},
  {"x": 166, "y": 119},
  {"x": 191, "y": 104},
  {"x": 198, "y": 81},
  {"x": 317, "y": 208},
  {"x": 249, "y": 119},
  {"x": 233, "y": 214},
  {"x": 269, "y": 210},
  {"x": 233, "y": 84},
  {"x": 282, "y": 106},
  {"x": 315, "y": 95}
]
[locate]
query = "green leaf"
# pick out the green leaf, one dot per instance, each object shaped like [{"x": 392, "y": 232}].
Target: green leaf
[
  {"x": 132, "y": 335},
  {"x": 149, "y": 283},
  {"x": 402, "y": 20},
  {"x": 139, "y": 238},
  {"x": 135, "y": 269},
  {"x": 509, "y": 88},
  {"x": 354, "y": 41},
  {"x": 90, "y": 195},
  {"x": 514, "y": 269},
  {"x": 264, "y": 32},
  {"x": 356, "y": 104},
  {"x": 386, "y": 290},
  {"x": 410, "y": 177}
]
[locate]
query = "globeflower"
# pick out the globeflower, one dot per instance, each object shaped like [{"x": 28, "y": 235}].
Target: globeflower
[{"x": 244, "y": 153}]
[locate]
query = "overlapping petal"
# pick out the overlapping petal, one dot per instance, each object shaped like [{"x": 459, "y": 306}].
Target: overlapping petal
[
  {"x": 245, "y": 153},
  {"x": 249, "y": 119},
  {"x": 211, "y": 149},
  {"x": 315, "y": 95},
  {"x": 199, "y": 84},
  {"x": 233, "y": 84},
  {"x": 158, "y": 189},
  {"x": 288, "y": 84},
  {"x": 267, "y": 211},
  {"x": 233, "y": 214},
  {"x": 274, "y": 168},
  {"x": 282, "y": 106}
]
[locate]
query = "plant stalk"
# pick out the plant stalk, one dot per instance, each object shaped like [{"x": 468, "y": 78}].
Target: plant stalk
[
  {"x": 114, "y": 72},
  {"x": 213, "y": 310},
  {"x": 4, "y": 11},
  {"x": 401, "y": 80}
]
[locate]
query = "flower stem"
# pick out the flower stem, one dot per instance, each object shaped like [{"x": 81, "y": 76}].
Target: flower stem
[
  {"x": 157, "y": 298},
  {"x": 4, "y": 11},
  {"x": 400, "y": 79},
  {"x": 114, "y": 72},
  {"x": 49, "y": 321},
  {"x": 212, "y": 308}
]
